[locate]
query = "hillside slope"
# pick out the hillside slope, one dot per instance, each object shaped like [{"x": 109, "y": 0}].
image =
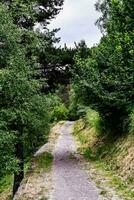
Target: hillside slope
[{"x": 114, "y": 155}]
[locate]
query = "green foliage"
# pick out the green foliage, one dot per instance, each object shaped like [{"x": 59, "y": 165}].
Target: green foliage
[
  {"x": 8, "y": 162},
  {"x": 88, "y": 154},
  {"x": 60, "y": 112},
  {"x": 94, "y": 121},
  {"x": 8, "y": 79},
  {"x": 38, "y": 43},
  {"x": 73, "y": 104},
  {"x": 131, "y": 126},
  {"x": 104, "y": 80},
  {"x": 25, "y": 112},
  {"x": 111, "y": 155},
  {"x": 27, "y": 13},
  {"x": 56, "y": 64},
  {"x": 5, "y": 183},
  {"x": 76, "y": 107},
  {"x": 37, "y": 125}
]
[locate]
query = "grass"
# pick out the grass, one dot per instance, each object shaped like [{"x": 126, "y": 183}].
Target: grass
[
  {"x": 6, "y": 187},
  {"x": 105, "y": 153},
  {"x": 44, "y": 162},
  {"x": 113, "y": 180},
  {"x": 27, "y": 166},
  {"x": 122, "y": 187},
  {"x": 5, "y": 183},
  {"x": 93, "y": 120}
]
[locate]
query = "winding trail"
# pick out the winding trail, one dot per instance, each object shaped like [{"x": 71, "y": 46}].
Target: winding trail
[{"x": 70, "y": 181}]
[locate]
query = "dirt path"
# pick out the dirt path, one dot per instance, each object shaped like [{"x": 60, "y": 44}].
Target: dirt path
[
  {"x": 69, "y": 176},
  {"x": 70, "y": 181}
]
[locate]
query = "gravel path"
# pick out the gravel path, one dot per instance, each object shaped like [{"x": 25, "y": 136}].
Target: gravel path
[{"x": 70, "y": 181}]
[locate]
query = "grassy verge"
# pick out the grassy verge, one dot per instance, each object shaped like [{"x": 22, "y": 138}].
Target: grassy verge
[
  {"x": 6, "y": 187},
  {"x": 43, "y": 162},
  {"x": 122, "y": 187},
  {"x": 112, "y": 159}
]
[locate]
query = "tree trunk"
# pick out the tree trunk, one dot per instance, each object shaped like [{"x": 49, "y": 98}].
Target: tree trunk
[{"x": 18, "y": 176}]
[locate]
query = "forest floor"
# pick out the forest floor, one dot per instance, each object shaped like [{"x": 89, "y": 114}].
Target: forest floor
[{"x": 59, "y": 172}]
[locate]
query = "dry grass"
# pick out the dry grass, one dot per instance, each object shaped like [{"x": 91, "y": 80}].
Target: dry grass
[{"x": 111, "y": 161}]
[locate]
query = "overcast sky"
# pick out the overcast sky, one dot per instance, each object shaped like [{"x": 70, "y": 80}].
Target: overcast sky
[{"x": 77, "y": 21}]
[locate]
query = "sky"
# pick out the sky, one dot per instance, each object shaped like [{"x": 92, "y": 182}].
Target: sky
[{"x": 77, "y": 22}]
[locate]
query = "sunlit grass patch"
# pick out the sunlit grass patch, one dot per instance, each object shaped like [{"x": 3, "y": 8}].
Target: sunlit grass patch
[
  {"x": 6, "y": 187},
  {"x": 5, "y": 182}
]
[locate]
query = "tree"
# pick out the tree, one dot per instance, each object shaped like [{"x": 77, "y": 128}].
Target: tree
[
  {"x": 56, "y": 66},
  {"x": 21, "y": 102},
  {"x": 106, "y": 80},
  {"x": 26, "y": 13},
  {"x": 15, "y": 88}
]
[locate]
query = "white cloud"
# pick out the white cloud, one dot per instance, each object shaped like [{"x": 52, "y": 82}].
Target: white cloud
[{"x": 77, "y": 21}]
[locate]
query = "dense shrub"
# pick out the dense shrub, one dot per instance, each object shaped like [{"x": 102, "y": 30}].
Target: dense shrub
[{"x": 60, "y": 112}]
